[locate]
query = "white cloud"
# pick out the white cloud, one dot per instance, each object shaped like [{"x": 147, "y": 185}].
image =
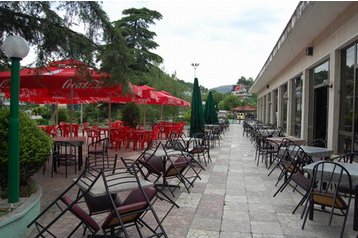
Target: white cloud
[{"x": 229, "y": 39}]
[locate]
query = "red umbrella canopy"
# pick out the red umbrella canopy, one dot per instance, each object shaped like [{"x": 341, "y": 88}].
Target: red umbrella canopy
[
  {"x": 71, "y": 81},
  {"x": 62, "y": 79}
]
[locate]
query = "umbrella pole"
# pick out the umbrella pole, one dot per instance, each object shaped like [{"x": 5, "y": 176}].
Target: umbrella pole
[
  {"x": 81, "y": 114},
  {"x": 109, "y": 121},
  {"x": 144, "y": 115},
  {"x": 71, "y": 108},
  {"x": 109, "y": 113},
  {"x": 56, "y": 116},
  {"x": 161, "y": 112}
]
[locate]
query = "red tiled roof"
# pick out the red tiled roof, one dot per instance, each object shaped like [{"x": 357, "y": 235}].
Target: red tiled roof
[{"x": 244, "y": 108}]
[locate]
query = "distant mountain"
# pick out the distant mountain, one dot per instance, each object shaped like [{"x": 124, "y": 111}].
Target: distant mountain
[{"x": 223, "y": 89}]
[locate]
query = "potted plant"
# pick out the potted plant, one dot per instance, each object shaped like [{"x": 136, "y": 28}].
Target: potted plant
[{"x": 35, "y": 147}]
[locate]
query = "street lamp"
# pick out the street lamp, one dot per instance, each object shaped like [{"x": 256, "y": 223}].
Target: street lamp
[
  {"x": 16, "y": 48},
  {"x": 195, "y": 65}
]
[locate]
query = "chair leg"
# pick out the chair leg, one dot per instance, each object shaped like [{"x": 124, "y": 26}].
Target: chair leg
[{"x": 300, "y": 203}]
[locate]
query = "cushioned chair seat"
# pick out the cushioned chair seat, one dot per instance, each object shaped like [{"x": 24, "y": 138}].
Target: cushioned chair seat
[{"x": 81, "y": 214}]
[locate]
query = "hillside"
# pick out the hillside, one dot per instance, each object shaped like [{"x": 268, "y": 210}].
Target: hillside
[{"x": 223, "y": 89}]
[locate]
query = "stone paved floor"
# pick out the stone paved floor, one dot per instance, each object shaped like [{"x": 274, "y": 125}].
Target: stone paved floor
[{"x": 232, "y": 199}]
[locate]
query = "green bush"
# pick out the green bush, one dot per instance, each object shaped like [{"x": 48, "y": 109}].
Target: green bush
[
  {"x": 42, "y": 121},
  {"x": 63, "y": 115},
  {"x": 35, "y": 146},
  {"x": 131, "y": 115}
]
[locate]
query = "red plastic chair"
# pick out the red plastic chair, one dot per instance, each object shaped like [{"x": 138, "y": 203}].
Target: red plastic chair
[
  {"x": 118, "y": 137},
  {"x": 93, "y": 134},
  {"x": 132, "y": 137},
  {"x": 75, "y": 128},
  {"x": 83, "y": 127},
  {"x": 65, "y": 129}
]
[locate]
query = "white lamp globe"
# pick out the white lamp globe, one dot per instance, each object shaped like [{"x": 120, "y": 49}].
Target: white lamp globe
[{"x": 16, "y": 47}]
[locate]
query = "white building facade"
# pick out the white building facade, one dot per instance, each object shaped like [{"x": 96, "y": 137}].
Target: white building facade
[{"x": 309, "y": 83}]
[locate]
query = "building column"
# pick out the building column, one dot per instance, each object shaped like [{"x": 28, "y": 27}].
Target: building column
[
  {"x": 333, "y": 100},
  {"x": 267, "y": 105},
  {"x": 279, "y": 107},
  {"x": 273, "y": 107},
  {"x": 305, "y": 104}
]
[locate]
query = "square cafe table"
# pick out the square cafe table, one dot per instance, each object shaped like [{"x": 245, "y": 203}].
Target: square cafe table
[
  {"x": 278, "y": 140},
  {"x": 76, "y": 141},
  {"x": 316, "y": 153},
  {"x": 353, "y": 171}
]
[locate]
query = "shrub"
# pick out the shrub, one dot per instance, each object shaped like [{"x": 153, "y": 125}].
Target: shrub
[
  {"x": 42, "y": 121},
  {"x": 63, "y": 115},
  {"x": 131, "y": 115},
  {"x": 35, "y": 146}
]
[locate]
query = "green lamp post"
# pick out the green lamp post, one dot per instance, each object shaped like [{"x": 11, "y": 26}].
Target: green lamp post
[{"x": 16, "y": 48}]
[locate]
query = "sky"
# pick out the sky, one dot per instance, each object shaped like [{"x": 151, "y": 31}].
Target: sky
[{"x": 228, "y": 38}]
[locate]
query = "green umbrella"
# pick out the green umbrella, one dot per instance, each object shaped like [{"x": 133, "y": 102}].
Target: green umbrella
[
  {"x": 210, "y": 114},
  {"x": 197, "y": 117}
]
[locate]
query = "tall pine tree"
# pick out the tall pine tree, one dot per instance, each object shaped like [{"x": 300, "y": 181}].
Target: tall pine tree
[{"x": 47, "y": 28}]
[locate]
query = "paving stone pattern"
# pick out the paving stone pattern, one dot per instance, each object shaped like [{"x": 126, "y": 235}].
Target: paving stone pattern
[{"x": 232, "y": 199}]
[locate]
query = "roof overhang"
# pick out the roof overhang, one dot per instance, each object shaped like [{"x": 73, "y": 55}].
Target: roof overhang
[{"x": 316, "y": 17}]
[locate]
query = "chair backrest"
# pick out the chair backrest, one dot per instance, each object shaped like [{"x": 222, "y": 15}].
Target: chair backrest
[
  {"x": 101, "y": 162},
  {"x": 346, "y": 158},
  {"x": 150, "y": 161},
  {"x": 99, "y": 146},
  {"x": 176, "y": 167},
  {"x": 136, "y": 203},
  {"x": 64, "y": 148},
  {"x": 301, "y": 159},
  {"x": 284, "y": 150},
  {"x": 327, "y": 178},
  {"x": 318, "y": 143},
  {"x": 174, "y": 142}
]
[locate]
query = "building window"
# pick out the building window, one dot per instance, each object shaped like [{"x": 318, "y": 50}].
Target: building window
[
  {"x": 284, "y": 101},
  {"x": 320, "y": 73},
  {"x": 297, "y": 106},
  {"x": 348, "y": 123}
]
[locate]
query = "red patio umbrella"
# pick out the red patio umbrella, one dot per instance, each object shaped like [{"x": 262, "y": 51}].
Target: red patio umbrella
[{"x": 73, "y": 82}]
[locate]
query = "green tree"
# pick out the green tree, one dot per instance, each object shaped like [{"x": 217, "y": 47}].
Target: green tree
[
  {"x": 247, "y": 82},
  {"x": 229, "y": 102},
  {"x": 134, "y": 28},
  {"x": 47, "y": 28},
  {"x": 131, "y": 115}
]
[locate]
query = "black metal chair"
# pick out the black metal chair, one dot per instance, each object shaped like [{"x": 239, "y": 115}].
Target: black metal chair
[
  {"x": 200, "y": 148},
  {"x": 100, "y": 204},
  {"x": 327, "y": 178},
  {"x": 98, "y": 148},
  {"x": 318, "y": 143},
  {"x": 65, "y": 204},
  {"x": 63, "y": 153},
  {"x": 282, "y": 155},
  {"x": 296, "y": 177},
  {"x": 135, "y": 207}
]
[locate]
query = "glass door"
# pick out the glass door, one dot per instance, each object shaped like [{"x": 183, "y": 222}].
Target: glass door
[{"x": 348, "y": 123}]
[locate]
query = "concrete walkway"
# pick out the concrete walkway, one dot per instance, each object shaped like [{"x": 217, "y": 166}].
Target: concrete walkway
[{"x": 233, "y": 199}]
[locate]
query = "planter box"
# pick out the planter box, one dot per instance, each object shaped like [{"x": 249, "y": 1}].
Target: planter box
[{"x": 14, "y": 224}]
